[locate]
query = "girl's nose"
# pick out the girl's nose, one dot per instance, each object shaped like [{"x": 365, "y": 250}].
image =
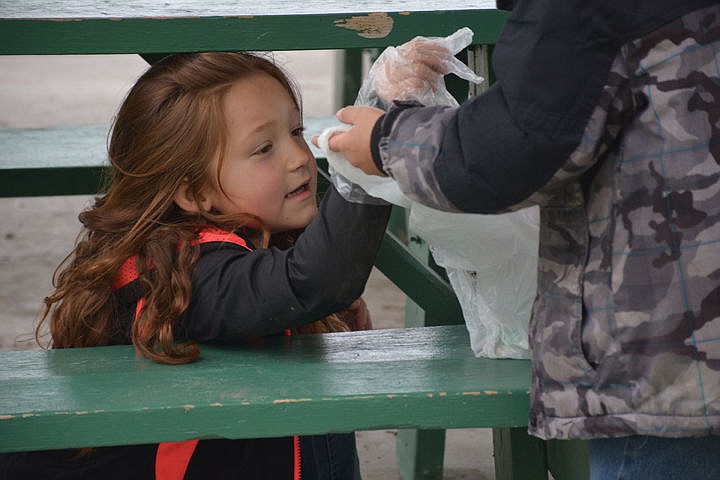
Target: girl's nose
[{"x": 300, "y": 154}]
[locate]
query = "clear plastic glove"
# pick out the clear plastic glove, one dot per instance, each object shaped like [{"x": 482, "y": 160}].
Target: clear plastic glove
[{"x": 416, "y": 70}]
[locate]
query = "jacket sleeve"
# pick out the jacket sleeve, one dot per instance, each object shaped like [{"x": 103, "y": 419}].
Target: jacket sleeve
[
  {"x": 490, "y": 154},
  {"x": 239, "y": 293}
]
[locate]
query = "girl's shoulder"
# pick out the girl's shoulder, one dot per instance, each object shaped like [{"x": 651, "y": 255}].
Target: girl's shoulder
[{"x": 222, "y": 238}]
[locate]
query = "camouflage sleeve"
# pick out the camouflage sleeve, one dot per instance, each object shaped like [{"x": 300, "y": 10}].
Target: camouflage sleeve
[
  {"x": 408, "y": 144},
  {"x": 477, "y": 159},
  {"x": 474, "y": 158},
  {"x": 521, "y": 136}
]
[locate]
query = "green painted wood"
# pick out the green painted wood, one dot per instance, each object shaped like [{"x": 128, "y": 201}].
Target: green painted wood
[
  {"x": 308, "y": 384},
  {"x": 63, "y": 27},
  {"x": 421, "y": 454},
  {"x": 431, "y": 292},
  {"x": 568, "y": 459},
  {"x": 69, "y": 160},
  {"x": 518, "y": 456},
  {"x": 192, "y": 8}
]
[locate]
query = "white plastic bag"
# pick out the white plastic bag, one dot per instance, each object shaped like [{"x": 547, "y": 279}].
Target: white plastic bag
[{"x": 490, "y": 260}]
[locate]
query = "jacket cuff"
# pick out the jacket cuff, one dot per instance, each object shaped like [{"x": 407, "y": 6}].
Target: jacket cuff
[
  {"x": 375, "y": 137},
  {"x": 383, "y": 127}
]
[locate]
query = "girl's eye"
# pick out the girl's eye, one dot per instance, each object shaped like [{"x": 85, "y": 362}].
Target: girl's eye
[
  {"x": 263, "y": 149},
  {"x": 298, "y": 131}
]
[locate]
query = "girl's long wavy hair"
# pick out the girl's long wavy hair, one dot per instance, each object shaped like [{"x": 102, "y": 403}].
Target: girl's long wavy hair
[{"x": 167, "y": 131}]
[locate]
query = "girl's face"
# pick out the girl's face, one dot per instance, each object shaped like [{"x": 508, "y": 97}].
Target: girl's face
[{"x": 268, "y": 169}]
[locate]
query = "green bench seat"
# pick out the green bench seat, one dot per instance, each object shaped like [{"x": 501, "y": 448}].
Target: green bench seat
[{"x": 402, "y": 378}]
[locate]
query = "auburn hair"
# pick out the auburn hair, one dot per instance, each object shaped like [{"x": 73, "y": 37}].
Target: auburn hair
[{"x": 166, "y": 132}]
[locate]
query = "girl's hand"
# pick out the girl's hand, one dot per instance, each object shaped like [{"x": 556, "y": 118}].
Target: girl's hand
[
  {"x": 357, "y": 317},
  {"x": 355, "y": 143}
]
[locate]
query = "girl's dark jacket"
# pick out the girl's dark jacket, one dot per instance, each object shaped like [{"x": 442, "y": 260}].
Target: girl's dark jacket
[
  {"x": 239, "y": 293},
  {"x": 606, "y": 114}
]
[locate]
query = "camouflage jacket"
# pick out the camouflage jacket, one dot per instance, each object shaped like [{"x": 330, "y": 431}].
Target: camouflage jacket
[{"x": 621, "y": 150}]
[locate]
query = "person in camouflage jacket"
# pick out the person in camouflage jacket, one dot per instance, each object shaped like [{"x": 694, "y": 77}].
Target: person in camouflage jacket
[{"x": 607, "y": 115}]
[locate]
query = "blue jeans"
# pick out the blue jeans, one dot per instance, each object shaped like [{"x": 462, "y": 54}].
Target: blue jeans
[{"x": 655, "y": 458}]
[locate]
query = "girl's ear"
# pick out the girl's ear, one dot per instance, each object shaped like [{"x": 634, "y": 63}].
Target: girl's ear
[{"x": 185, "y": 199}]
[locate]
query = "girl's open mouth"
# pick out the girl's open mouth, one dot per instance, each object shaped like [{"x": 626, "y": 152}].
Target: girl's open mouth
[{"x": 302, "y": 189}]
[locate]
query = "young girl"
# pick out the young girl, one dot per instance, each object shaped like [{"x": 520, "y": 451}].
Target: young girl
[{"x": 198, "y": 238}]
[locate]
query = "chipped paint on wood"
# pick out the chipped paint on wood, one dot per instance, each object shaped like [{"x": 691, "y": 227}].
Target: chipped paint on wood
[
  {"x": 292, "y": 400},
  {"x": 354, "y": 397},
  {"x": 372, "y": 25},
  {"x": 187, "y": 408}
]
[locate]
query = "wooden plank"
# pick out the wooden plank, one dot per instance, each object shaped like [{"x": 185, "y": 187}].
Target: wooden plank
[
  {"x": 69, "y": 160},
  {"x": 245, "y": 25},
  {"x": 276, "y": 386},
  {"x": 224, "y": 8}
]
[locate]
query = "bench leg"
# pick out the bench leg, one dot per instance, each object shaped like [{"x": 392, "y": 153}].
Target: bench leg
[
  {"x": 420, "y": 454},
  {"x": 518, "y": 456},
  {"x": 568, "y": 459}
]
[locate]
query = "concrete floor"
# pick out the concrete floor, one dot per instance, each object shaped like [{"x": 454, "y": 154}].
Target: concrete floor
[{"x": 36, "y": 233}]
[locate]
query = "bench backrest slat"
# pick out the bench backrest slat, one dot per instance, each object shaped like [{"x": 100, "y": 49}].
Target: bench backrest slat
[{"x": 301, "y": 26}]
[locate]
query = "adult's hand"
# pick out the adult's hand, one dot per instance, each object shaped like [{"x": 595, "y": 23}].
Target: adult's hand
[{"x": 414, "y": 71}]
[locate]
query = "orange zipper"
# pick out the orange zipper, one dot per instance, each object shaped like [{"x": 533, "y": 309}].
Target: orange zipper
[
  {"x": 297, "y": 473},
  {"x": 297, "y": 464}
]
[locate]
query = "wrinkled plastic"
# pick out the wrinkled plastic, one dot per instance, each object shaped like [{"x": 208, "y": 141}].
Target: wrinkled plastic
[
  {"x": 381, "y": 187},
  {"x": 490, "y": 260},
  {"x": 402, "y": 73}
]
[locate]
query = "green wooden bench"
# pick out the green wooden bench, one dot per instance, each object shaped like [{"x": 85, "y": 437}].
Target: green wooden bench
[
  {"x": 311, "y": 384},
  {"x": 60, "y": 398}
]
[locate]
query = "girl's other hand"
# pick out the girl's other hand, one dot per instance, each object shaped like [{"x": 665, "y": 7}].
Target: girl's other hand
[{"x": 357, "y": 316}]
